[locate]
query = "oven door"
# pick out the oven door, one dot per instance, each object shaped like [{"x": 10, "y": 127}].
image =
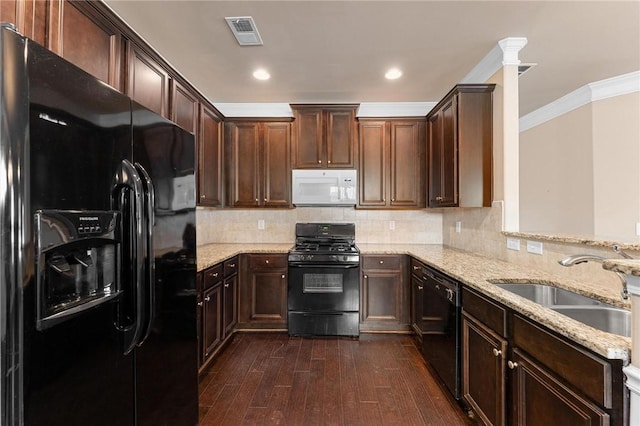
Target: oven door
[{"x": 324, "y": 287}]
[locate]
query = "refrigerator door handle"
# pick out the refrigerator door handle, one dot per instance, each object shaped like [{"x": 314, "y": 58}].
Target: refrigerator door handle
[
  {"x": 150, "y": 260},
  {"x": 127, "y": 181}
]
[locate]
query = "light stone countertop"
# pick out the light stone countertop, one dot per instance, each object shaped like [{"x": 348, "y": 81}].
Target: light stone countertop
[
  {"x": 477, "y": 272},
  {"x": 624, "y": 266}
]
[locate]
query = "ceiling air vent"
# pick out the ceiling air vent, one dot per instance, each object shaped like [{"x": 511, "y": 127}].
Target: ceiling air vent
[{"x": 245, "y": 30}]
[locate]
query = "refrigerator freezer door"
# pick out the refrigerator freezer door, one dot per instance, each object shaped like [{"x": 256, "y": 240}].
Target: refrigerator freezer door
[{"x": 166, "y": 363}]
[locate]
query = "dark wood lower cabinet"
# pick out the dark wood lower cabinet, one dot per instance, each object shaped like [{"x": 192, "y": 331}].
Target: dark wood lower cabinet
[
  {"x": 484, "y": 371},
  {"x": 517, "y": 372},
  {"x": 384, "y": 302},
  {"x": 212, "y": 310},
  {"x": 540, "y": 398},
  {"x": 263, "y": 291}
]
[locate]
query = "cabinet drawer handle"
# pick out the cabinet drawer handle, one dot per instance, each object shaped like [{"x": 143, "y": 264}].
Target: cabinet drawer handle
[
  {"x": 200, "y": 303},
  {"x": 232, "y": 265},
  {"x": 496, "y": 352},
  {"x": 282, "y": 276},
  {"x": 226, "y": 285},
  {"x": 207, "y": 299},
  {"x": 512, "y": 365},
  {"x": 420, "y": 287},
  {"x": 415, "y": 268},
  {"x": 214, "y": 275}
]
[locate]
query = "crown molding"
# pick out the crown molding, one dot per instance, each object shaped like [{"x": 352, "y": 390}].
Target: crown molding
[
  {"x": 394, "y": 109},
  {"x": 255, "y": 109},
  {"x": 505, "y": 52},
  {"x": 599, "y": 90}
]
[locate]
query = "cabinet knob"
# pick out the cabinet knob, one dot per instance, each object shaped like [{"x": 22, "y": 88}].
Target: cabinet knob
[
  {"x": 366, "y": 277},
  {"x": 438, "y": 198},
  {"x": 319, "y": 161},
  {"x": 266, "y": 261},
  {"x": 420, "y": 287},
  {"x": 208, "y": 298},
  {"x": 214, "y": 275},
  {"x": 226, "y": 285},
  {"x": 415, "y": 268},
  {"x": 496, "y": 352},
  {"x": 282, "y": 276},
  {"x": 381, "y": 262},
  {"x": 328, "y": 161},
  {"x": 200, "y": 303},
  {"x": 232, "y": 265},
  {"x": 202, "y": 197},
  {"x": 512, "y": 365},
  {"x": 265, "y": 198},
  {"x": 393, "y": 200}
]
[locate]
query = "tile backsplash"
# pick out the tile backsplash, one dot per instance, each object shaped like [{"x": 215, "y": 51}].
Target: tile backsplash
[{"x": 372, "y": 226}]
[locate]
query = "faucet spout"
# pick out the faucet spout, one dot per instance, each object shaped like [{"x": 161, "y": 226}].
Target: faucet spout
[{"x": 582, "y": 258}]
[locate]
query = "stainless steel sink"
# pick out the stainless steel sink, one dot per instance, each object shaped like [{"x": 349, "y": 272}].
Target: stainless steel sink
[
  {"x": 548, "y": 295},
  {"x": 606, "y": 318},
  {"x": 587, "y": 310}
]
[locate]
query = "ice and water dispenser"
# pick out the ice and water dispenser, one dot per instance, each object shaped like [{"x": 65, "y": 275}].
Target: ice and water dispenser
[{"x": 77, "y": 263}]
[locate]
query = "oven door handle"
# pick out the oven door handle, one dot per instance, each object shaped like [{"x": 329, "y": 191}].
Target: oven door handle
[{"x": 327, "y": 266}]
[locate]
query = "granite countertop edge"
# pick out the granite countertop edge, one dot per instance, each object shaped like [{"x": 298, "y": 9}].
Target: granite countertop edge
[{"x": 477, "y": 272}]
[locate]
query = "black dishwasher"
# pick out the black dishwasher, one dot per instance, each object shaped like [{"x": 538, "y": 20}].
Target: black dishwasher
[{"x": 441, "y": 327}]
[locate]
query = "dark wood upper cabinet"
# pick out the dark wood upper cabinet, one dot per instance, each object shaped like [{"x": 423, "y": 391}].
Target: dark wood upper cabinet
[
  {"x": 460, "y": 148},
  {"x": 392, "y": 163},
  {"x": 148, "y": 81},
  {"x": 258, "y": 172},
  {"x": 85, "y": 37},
  {"x": 209, "y": 139},
  {"x": 184, "y": 107},
  {"x": 29, "y": 17},
  {"x": 324, "y": 136}
]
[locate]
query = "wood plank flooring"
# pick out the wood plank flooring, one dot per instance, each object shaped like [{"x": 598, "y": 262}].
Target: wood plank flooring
[{"x": 272, "y": 379}]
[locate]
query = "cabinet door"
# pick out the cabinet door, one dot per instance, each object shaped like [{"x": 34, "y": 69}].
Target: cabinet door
[
  {"x": 276, "y": 183},
  {"x": 442, "y": 153},
  {"x": 81, "y": 35},
  {"x": 230, "y": 308},
  {"x": 307, "y": 145},
  {"x": 407, "y": 140},
  {"x": 148, "y": 82},
  {"x": 212, "y": 317},
  {"x": 244, "y": 170},
  {"x": 339, "y": 137},
  {"x": 199, "y": 315},
  {"x": 209, "y": 159},
  {"x": 380, "y": 296},
  {"x": 373, "y": 163},
  {"x": 484, "y": 371},
  {"x": 184, "y": 108},
  {"x": 540, "y": 398},
  {"x": 268, "y": 297}
]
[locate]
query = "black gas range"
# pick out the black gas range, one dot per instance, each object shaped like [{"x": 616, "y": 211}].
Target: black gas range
[{"x": 324, "y": 283}]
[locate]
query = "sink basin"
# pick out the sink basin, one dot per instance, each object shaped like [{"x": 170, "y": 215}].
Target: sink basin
[
  {"x": 548, "y": 295},
  {"x": 591, "y": 312},
  {"x": 605, "y": 318}
]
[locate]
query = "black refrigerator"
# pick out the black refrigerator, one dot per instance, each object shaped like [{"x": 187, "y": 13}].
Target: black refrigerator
[{"x": 98, "y": 282}]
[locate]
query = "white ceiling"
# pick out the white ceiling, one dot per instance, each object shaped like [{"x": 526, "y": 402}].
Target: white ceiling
[{"x": 338, "y": 51}]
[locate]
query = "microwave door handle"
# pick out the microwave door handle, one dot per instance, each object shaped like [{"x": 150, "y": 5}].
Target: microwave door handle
[
  {"x": 149, "y": 219},
  {"x": 127, "y": 182}
]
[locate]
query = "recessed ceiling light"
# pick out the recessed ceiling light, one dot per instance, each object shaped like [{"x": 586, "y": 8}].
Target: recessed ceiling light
[
  {"x": 261, "y": 74},
  {"x": 393, "y": 74}
]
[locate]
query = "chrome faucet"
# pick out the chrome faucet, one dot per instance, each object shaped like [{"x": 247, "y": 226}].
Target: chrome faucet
[{"x": 582, "y": 258}]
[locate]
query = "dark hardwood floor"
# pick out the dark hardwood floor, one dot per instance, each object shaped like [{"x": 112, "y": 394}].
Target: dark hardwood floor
[{"x": 274, "y": 379}]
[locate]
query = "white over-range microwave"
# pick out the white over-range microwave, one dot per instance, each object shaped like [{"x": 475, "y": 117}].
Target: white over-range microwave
[{"x": 324, "y": 187}]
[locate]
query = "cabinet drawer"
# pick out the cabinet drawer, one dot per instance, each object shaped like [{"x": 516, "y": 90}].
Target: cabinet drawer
[
  {"x": 417, "y": 267},
  {"x": 230, "y": 266},
  {"x": 381, "y": 262},
  {"x": 267, "y": 261},
  {"x": 212, "y": 275},
  {"x": 487, "y": 312},
  {"x": 589, "y": 374}
]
